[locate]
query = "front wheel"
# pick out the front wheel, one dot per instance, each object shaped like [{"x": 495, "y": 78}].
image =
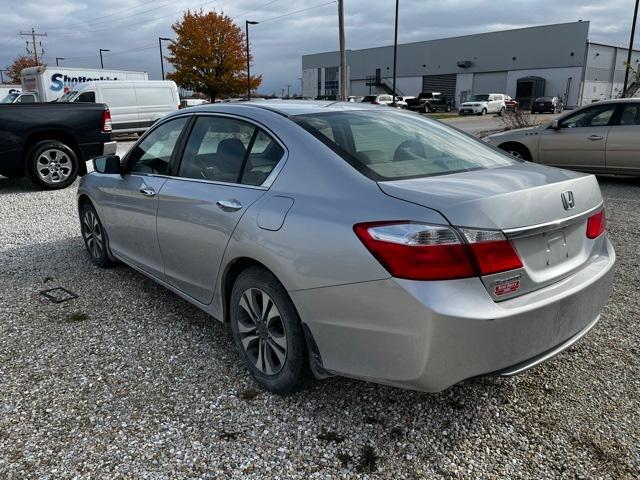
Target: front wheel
[
  {"x": 447, "y": 108},
  {"x": 267, "y": 332},
  {"x": 483, "y": 112},
  {"x": 94, "y": 236},
  {"x": 52, "y": 165},
  {"x": 427, "y": 109}
]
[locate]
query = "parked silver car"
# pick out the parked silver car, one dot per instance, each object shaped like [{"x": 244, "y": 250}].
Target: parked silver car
[
  {"x": 600, "y": 138},
  {"x": 337, "y": 239}
]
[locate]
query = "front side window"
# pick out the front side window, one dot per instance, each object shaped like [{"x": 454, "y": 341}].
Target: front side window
[
  {"x": 597, "y": 116},
  {"x": 223, "y": 149},
  {"x": 27, "y": 99},
  {"x": 630, "y": 114},
  {"x": 88, "y": 97},
  {"x": 399, "y": 145},
  {"x": 153, "y": 154}
]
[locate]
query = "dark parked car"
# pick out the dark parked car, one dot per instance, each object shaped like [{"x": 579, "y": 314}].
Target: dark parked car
[
  {"x": 547, "y": 105},
  {"x": 50, "y": 142},
  {"x": 430, "y": 102}
]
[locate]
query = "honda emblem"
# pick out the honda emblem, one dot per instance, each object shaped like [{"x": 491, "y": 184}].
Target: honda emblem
[{"x": 568, "y": 202}]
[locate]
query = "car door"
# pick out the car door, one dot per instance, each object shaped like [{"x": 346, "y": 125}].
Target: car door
[
  {"x": 131, "y": 201},
  {"x": 580, "y": 140},
  {"x": 623, "y": 143},
  {"x": 223, "y": 169}
]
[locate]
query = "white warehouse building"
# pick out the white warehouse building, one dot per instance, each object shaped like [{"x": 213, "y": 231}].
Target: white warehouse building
[{"x": 523, "y": 63}]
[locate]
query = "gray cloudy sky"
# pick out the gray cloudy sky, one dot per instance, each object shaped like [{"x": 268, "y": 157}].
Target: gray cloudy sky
[{"x": 130, "y": 28}]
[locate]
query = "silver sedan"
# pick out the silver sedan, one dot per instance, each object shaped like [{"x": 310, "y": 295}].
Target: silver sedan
[
  {"x": 346, "y": 239},
  {"x": 600, "y": 138}
]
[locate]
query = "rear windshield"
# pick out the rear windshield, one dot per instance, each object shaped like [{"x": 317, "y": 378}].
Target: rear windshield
[
  {"x": 397, "y": 145},
  {"x": 544, "y": 99}
]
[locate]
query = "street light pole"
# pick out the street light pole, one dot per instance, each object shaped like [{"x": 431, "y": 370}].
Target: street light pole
[
  {"x": 160, "y": 39},
  {"x": 246, "y": 28},
  {"x": 343, "y": 53},
  {"x": 395, "y": 54},
  {"x": 101, "y": 61},
  {"x": 633, "y": 33},
  {"x": 57, "y": 59}
]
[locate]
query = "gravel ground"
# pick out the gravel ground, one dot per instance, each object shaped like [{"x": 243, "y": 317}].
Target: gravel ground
[{"x": 130, "y": 381}]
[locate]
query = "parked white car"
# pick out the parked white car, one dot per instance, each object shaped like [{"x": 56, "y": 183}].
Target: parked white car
[
  {"x": 134, "y": 106},
  {"x": 483, "y": 104},
  {"x": 192, "y": 102}
]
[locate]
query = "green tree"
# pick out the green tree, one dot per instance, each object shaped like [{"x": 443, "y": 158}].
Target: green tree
[{"x": 209, "y": 55}]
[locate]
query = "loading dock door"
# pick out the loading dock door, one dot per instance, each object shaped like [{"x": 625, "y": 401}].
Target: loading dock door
[
  {"x": 445, "y": 84},
  {"x": 492, "y": 82}
]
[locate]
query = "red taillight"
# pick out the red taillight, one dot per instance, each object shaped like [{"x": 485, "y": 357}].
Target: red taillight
[
  {"x": 106, "y": 122},
  {"x": 596, "y": 224},
  {"x": 417, "y": 251}
]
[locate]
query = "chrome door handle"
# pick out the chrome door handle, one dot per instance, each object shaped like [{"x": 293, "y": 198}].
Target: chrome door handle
[
  {"x": 594, "y": 137},
  {"x": 147, "y": 192},
  {"x": 231, "y": 205}
]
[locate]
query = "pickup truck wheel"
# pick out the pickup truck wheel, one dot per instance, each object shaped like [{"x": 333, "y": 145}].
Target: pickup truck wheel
[
  {"x": 447, "y": 108},
  {"x": 427, "y": 109},
  {"x": 52, "y": 165}
]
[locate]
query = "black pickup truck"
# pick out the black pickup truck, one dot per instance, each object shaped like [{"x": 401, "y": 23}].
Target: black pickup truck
[
  {"x": 429, "y": 102},
  {"x": 50, "y": 142}
]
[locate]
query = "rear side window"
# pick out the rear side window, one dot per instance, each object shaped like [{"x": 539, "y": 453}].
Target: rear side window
[
  {"x": 227, "y": 150},
  {"x": 400, "y": 145},
  {"x": 630, "y": 114}
]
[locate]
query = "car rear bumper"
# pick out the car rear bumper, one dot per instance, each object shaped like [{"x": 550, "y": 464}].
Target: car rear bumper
[{"x": 431, "y": 335}]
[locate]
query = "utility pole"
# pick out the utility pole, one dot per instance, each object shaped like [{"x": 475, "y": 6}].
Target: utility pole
[
  {"x": 633, "y": 33},
  {"x": 288, "y": 91},
  {"x": 33, "y": 36},
  {"x": 2, "y": 76},
  {"x": 160, "y": 39},
  {"x": 101, "y": 62},
  {"x": 395, "y": 54},
  {"x": 57, "y": 59},
  {"x": 343, "y": 53},
  {"x": 246, "y": 29}
]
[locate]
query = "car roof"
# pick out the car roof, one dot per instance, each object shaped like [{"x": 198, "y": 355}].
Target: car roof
[{"x": 288, "y": 107}]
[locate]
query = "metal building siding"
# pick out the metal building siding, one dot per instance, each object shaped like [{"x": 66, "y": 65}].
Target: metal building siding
[
  {"x": 445, "y": 84},
  {"x": 492, "y": 82}
]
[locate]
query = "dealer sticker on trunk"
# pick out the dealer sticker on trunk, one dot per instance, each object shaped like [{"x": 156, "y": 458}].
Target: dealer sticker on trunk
[{"x": 507, "y": 285}]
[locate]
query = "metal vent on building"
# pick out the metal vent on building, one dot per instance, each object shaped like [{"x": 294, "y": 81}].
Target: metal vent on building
[{"x": 445, "y": 84}]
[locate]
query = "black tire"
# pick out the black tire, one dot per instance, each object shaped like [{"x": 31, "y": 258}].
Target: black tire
[
  {"x": 483, "y": 112},
  {"x": 61, "y": 156},
  {"x": 447, "y": 108},
  {"x": 502, "y": 111},
  {"x": 516, "y": 150},
  {"x": 427, "y": 108},
  {"x": 94, "y": 236},
  {"x": 289, "y": 369}
]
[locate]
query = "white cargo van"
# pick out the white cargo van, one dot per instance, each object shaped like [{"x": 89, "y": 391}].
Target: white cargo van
[
  {"x": 48, "y": 83},
  {"x": 134, "y": 106}
]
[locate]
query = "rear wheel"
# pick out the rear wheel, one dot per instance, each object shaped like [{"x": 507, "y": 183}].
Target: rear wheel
[
  {"x": 267, "y": 332},
  {"x": 501, "y": 112},
  {"x": 52, "y": 165},
  {"x": 427, "y": 108},
  {"x": 447, "y": 108}
]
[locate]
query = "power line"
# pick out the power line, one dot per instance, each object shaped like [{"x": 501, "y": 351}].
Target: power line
[
  {"x": 297, "y": 11},
  {"x": 254, "y": 9}
]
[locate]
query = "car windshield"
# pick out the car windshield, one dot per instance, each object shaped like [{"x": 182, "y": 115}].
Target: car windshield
[
  {"x": 398, "y": 146},
  {"x": 10, "y": 98},
  {"x": 479, "y": 98}
]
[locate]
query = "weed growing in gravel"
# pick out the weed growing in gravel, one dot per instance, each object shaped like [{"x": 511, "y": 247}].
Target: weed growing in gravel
[
  {"x": 368, "y": 461},
  {"x": 77, "y": 317},
  {"x": 329, "y": 436},
  {"x": 373, "y": 421},
  {"x": 344, "y": 457},
  {"x": 248, "y": 394},
  {"x": 225, "y": 435},
  {"x": 396, "y": 433}
]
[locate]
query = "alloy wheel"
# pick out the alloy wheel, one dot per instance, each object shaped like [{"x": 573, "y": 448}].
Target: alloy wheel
[
  {"x": 54, "y": 166},
  {"x": 262, "y": 332},
  {"x": 516, "y": 154},
  {"x": 92, "y": 234}
]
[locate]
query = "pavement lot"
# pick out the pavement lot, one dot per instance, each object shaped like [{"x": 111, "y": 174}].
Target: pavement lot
[{"x": 128, "y": 380}]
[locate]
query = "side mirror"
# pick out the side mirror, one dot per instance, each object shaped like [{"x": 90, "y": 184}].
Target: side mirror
[
  {"x": 108, "y": 164},
  {"x": 554, "y": 124}
]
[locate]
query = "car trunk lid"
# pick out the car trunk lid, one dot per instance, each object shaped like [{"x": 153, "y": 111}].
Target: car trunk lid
[{"x": 525, "y": 201}]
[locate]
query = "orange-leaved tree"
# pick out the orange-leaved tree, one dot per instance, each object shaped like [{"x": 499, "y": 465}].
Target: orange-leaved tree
[
  {"x": 209, "y": 56},
  {"x": 23, "y": 61}
]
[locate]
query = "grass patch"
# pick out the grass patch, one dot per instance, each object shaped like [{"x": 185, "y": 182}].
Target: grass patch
[
  {"x": 368, "y": 461},
  {"x": 329, "y": 436},
  {"x": 248, "y": 394}
]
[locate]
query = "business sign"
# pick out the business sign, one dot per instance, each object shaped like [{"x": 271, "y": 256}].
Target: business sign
[{"x": 61, "y": 82}]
